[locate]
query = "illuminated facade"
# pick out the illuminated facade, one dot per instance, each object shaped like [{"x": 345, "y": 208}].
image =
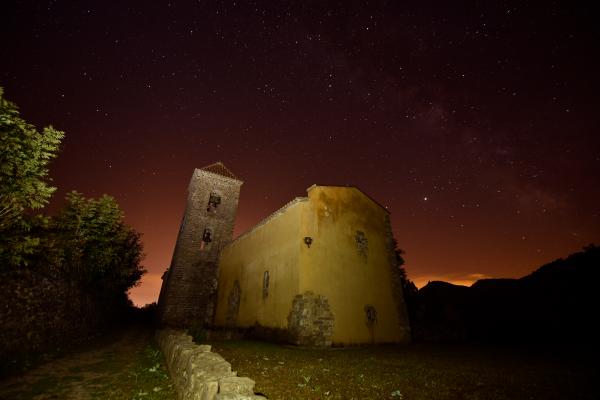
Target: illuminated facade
[{"x": 319, "y": 271}]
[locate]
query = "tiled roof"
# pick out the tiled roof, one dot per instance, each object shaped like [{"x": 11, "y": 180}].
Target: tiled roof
[{"x": 220, "y": 169}]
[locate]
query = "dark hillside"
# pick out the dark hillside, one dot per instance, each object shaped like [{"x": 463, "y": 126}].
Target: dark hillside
[{"x": 556, "y": 302}]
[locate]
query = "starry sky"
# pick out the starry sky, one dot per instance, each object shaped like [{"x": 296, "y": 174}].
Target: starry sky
[{"x": 476, "y": 124}]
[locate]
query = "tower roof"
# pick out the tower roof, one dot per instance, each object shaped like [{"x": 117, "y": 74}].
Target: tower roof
[{"x": 220, "y": 169}]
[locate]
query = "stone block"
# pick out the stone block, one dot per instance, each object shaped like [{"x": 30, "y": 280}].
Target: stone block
[
  {"x": 199, "y": 374},
  {"x": 206, "y": 390},
  {"x": 311, "y": 321},
  {"x": 236, "y": 385}
]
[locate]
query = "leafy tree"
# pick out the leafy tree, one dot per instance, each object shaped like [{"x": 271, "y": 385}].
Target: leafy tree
[
  {"x": 409, "y": 289},
  {"x": 98, "y": 248},
  {"x": 79, "y": 264},
  {"x": 398, "y": 252},
  {"x": 399, "y": 259},
  {"x": 24, "y": 157}
]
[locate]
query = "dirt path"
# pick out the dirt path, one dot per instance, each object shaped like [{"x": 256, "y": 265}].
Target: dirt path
[{"x": 124, "y": 367}]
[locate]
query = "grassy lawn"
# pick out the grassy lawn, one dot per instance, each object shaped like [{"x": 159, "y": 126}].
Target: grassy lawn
[
  {"x": 420, "y": 371},
  {"x": 130, "y": 367}
]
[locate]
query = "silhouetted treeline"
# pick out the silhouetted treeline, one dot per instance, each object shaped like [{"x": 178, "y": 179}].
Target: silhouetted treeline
[
  {"x": 65, "y": 277},
  {"x": 557, "y": 302}
]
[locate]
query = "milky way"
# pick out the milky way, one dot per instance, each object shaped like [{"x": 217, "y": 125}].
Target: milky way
[{"x": 477, "y": 126}]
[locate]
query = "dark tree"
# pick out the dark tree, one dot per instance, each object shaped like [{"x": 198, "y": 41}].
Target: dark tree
[
  {"x": 24, "y": 184},
  {"x": 98, "y": 249},
  {"x": 409, "y": 289}
]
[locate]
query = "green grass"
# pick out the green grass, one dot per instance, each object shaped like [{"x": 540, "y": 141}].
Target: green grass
[
  {"x": 133, "y": 369},
  {"x": 408, "y": 372},
  {"x": 147, "y": 378}
]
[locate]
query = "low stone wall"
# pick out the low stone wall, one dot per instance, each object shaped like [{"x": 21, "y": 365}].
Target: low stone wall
[{"x": 198, "y": 373}]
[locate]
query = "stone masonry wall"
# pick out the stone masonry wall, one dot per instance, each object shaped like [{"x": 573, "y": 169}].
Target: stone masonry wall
[
  {"x": 198, "y": 373},
  {"x": 189, "y": 288},
  {"x": 310, "y": 322}
]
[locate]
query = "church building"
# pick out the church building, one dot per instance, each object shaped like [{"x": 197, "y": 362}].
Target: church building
[{"x": 321, "y": 270}]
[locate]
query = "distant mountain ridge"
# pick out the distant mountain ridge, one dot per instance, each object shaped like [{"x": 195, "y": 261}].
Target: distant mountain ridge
[{"x": 557, "y": 301}]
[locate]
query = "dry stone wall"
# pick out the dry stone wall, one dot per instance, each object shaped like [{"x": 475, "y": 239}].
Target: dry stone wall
[{"x": 198, "y": 373}]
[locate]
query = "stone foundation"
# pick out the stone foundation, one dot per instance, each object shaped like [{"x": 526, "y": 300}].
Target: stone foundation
[
  {"x": 198, "y": 373},
  {"x": 310, "y": 322}
]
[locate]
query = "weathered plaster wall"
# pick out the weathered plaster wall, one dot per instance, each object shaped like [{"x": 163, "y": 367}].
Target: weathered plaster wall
[
  {"x": 189, "y": 288},
  {"x": 328, "y": 288},
  {"x": 271, "y": 247},
  {"x": 348, "y": 263},
  {"x": 198, "y": 373}
]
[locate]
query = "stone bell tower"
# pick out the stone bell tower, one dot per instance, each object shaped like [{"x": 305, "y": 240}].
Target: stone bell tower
[{"x": 188, "y": 292}]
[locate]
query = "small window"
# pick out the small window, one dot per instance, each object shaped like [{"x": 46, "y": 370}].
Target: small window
[
  {"x": 265, "y": 284},
  {"x": 213, "y": 202},
  {"x": 371, "y": 314},
  {"x": 206, "y": 238},
  {"x": 207, "y": 235},
  {"x": 362, "y": 244}
]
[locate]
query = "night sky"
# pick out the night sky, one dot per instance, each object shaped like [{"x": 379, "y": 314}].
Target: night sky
[{"x": 476, "y": 125}]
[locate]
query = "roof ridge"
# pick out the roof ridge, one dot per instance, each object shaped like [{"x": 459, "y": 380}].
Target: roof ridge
[
  {"x": 269, "y": 217},
  {"x": 349, "y": 186},
  {"x": 220, "y": 169}
]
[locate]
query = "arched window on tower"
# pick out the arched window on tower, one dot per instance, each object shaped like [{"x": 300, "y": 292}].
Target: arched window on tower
[
  {"x": 213, "y": 202},
  {"x": 206, "y": 238}
]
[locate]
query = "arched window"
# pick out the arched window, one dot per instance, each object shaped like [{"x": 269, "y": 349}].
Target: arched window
[
  {"x": 213, "y": 202},
  {"x": 362, "y": 244},
  {"x": 207, "y": 237},
  {"x": 265, "y": 291},
  {"x": 371, "y": 314}
]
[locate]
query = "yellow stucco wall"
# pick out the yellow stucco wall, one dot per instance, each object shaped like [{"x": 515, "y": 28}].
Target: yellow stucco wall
[
  {"x": 272, "y": 247},
  {"x": 332, "y": 267}
]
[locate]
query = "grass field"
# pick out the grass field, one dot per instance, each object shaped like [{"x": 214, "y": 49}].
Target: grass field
[
  {"x": 129, "y": 366},
  {"x": 123, "y": 366},
  {"x": 418, "y": 371}
]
